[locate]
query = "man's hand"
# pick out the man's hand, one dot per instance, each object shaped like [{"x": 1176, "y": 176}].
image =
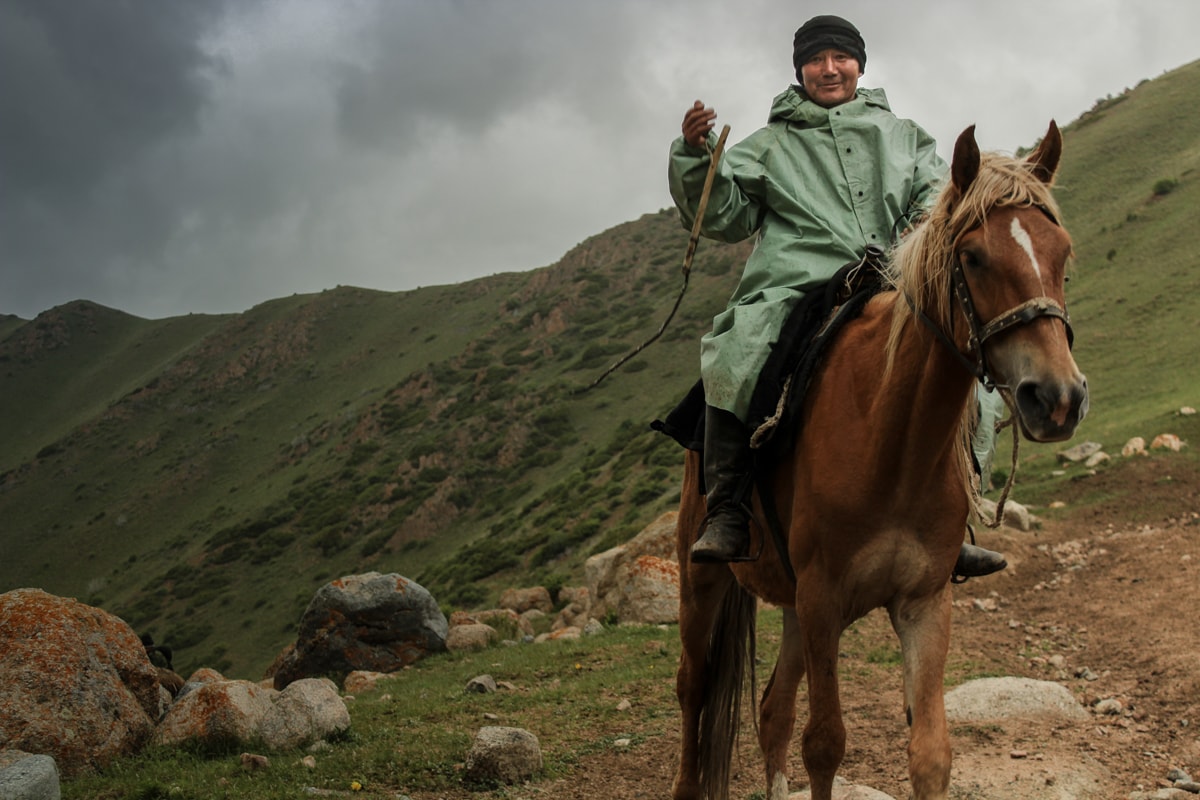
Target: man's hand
[{"x": 697, "y": 122}]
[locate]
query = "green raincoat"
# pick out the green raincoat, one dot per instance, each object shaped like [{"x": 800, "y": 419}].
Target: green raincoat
[{"x": 818, "y": 186}]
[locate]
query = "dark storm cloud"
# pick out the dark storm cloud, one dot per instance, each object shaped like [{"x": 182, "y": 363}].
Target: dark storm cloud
[
  {"x": 88, "y": 89},
  {"x": 87, "y": 84},
  {"x": 167, "y": 156},
  {"x": 429, "y": 66}
]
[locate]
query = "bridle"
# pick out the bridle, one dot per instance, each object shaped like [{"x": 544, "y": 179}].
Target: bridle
[{"x": 975, "y": 360}]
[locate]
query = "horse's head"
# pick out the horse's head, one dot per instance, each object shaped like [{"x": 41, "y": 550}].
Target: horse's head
[{"x": 1009, "y": 267}]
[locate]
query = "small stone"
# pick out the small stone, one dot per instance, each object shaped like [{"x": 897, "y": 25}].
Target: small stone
[
  {"x": 1110, "y": 706},
  {"x": 1177, "y": 774},
  {"x": 1134, "y": 447},
  {"x": 624, "y": 705},
  {"x": 1080, "y": 452},
  {"x": 1018, "y": 754},
  {"x": 1167, "y": 441},
  {"x": 481, "y": 684},
  {"x": 309, "y": 761},
  {"x": 252, "y": 762},
  {"x": 622, "y": 742},
  {"x": 1186, "y": 411}
]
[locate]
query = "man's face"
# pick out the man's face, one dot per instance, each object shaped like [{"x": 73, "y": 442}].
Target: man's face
[{"x": 830, "y": 77}]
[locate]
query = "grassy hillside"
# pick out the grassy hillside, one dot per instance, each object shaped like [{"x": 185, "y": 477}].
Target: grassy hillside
[
  {"x": 201, "y": 476},
  {"x": 1129, "y": 187}
]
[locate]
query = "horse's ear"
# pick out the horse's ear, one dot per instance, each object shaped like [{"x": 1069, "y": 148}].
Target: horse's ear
[
  {"x": 1043, "y": 161},
  {"x": 965, "y": 166}
]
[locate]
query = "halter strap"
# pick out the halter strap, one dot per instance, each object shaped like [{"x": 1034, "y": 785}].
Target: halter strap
[{"x": 978, "y": 333}]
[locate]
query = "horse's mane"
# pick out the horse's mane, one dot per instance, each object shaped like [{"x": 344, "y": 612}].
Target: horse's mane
[{"x": 920, "y": 264}]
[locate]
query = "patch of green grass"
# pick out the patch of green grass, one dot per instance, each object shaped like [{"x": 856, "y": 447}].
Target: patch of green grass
[{"x": 412, "y": 733}]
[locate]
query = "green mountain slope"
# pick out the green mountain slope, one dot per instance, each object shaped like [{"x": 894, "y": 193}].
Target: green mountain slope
[{"x": 201, "y": 476}]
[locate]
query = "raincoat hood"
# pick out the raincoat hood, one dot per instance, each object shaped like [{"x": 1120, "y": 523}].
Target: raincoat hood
[{"x": 793, "y": 105}]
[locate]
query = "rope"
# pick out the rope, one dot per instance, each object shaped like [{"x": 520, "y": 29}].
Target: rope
[
  {"x": 693, "y": 240},
  {"x": 1012, "y": 472}
]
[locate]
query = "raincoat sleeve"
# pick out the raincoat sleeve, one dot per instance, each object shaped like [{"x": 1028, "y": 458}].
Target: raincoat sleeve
[
  {"x": 734, "y": 208},
  {"x": 929, "y": 172}
]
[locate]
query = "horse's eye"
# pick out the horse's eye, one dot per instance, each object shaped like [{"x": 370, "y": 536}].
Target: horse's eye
[{"x": 968, "y": 259}]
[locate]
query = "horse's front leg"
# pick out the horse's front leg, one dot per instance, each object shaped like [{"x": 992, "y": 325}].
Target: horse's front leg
[
  {"x": 824, "y": 739},
  {"x": 923, "y": 625},
  {"x": 777, "y": 718}
]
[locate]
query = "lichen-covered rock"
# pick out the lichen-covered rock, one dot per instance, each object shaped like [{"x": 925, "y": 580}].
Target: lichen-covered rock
[
  {"x": 609, "y": 575},
  {"x": 217, "y": 713},
  {"x": 224, "y": 713},
  {"x": 75, "y": 682},
  {"x": 373, "y": 622}
]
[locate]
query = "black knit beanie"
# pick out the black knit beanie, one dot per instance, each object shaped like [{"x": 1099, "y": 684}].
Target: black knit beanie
[{"x": 825, "y": 32}]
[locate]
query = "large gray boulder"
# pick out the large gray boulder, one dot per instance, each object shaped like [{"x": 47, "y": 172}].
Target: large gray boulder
[
  {"x": 75, "y": 682},
  {"x": 372, "y": 622}
]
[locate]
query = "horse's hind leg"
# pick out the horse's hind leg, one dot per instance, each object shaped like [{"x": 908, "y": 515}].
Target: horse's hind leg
[
  {"x": 777, "y": 717},
  {"x": 702, "y": 588},
  {"x": 701, "y": 591},
  {"x": 923, "y": 626}
]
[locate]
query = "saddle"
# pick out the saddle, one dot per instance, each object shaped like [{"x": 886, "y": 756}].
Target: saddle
[{"x": 782, "y": 385}]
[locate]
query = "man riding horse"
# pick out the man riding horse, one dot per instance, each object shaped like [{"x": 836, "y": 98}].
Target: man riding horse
[{"x": 833, "y": 173}]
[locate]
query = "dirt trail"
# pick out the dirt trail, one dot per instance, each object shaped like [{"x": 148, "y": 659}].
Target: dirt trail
[{"x": 1104, "y": 601}]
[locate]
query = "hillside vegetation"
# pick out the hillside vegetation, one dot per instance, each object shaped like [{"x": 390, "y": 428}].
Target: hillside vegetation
[{"x": 201, "y": 476}]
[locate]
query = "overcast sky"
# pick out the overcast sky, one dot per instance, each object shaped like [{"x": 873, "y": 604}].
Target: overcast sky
[{"x": 170, "y": 156}]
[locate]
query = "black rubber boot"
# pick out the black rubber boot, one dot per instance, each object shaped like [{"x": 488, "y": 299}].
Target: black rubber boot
[
  {"x": 975, "y": 562},
  {"x": 727, "y": 466}
]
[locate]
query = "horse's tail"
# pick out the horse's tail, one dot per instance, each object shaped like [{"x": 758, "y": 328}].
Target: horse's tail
[{"x": 730, "y": 657}]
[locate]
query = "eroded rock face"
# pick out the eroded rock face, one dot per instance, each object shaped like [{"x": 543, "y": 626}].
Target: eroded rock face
[
  {"x": 75, "y": 682},
  {"x": 372, "y": 622}
]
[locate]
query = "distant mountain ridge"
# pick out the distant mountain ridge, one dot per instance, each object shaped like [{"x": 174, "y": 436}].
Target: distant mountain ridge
[{"x": 202, "y": 475}]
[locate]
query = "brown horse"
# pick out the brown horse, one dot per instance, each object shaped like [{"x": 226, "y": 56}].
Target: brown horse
[{"x": 876, "y": 491}]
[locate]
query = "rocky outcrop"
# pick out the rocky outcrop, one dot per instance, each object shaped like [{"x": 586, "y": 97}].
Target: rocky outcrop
[
  {"x": 75, "y": 682},
  {"x": 371, "y": 622}
]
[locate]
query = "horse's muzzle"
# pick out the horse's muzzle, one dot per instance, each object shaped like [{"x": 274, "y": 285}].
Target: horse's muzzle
[{"x": 1050, "y": 411}]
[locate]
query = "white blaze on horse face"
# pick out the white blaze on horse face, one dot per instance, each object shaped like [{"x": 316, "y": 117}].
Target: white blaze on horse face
[{"x": 1022, "y": 238}]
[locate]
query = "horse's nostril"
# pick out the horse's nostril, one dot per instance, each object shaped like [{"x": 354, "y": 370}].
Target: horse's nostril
[{"x": 1030, "y": 397}]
